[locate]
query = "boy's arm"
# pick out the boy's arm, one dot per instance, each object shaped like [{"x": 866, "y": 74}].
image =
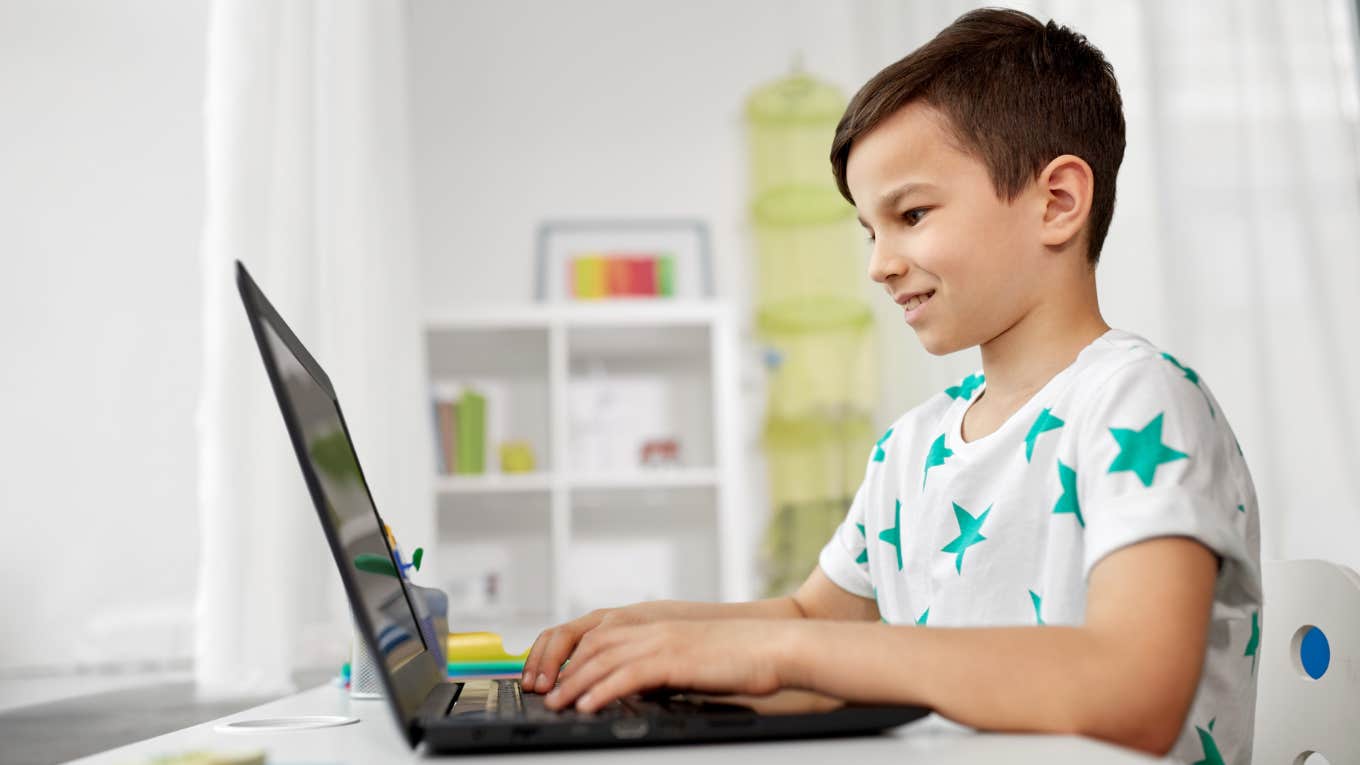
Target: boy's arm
[
  {"x": 817, "y": 598},
  {"x": 1127, "y": 676}
]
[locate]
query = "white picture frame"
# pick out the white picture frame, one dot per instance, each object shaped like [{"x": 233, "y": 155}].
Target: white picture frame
[{"x": 561, "y": 242}]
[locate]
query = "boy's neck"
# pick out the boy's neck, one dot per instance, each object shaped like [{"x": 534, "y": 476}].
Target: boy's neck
[{"x": 1022, "y": 359}]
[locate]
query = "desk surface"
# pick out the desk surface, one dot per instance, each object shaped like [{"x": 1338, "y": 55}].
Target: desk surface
[{"x": 374, "y": 739}]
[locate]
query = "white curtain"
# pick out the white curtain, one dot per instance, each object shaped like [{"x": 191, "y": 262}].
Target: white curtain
[
  {"x": 308, "y": 185},
  {"x": 1235, "y": 236}
]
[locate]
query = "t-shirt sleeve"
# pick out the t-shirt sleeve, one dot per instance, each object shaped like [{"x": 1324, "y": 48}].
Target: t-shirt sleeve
[
  {"x": 1155, "y": 458},
  {"x": 845, "y": 557}
]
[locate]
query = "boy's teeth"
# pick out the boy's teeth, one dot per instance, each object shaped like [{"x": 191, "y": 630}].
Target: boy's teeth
[{"x": 917, "y": 300}]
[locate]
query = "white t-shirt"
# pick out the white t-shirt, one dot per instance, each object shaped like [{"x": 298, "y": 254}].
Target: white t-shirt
[{"x": 1124, "y": 445}]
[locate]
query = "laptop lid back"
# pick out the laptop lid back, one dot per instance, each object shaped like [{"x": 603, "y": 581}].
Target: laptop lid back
[{"x": 385, "y": 613}]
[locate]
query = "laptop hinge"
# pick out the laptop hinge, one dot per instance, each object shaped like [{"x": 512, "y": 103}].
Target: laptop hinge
[{"x": 439, "y": 701}]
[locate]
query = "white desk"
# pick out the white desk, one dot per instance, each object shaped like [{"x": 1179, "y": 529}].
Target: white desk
[{"x": 374, "y": 739}]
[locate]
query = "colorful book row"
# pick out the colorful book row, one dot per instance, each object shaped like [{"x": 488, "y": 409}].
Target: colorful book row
[
  {"x": 460, "y": 427},
  {"x": 594, "y": 276}
]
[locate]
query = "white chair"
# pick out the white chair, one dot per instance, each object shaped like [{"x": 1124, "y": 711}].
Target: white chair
[{"x": 1308, "y": 698}]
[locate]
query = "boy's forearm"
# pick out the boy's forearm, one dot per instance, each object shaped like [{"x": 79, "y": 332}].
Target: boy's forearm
[
  {"x": 1041, "y": 679},
  {"x": 770, "y": 608}
]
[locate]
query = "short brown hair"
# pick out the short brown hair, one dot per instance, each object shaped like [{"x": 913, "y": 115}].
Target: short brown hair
[{"x": 1016, "y": 94}]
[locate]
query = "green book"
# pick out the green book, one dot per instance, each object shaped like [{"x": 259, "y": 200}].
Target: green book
[
  {"x": 665, "y": 276},
  {"x": 471, "y": 432}
]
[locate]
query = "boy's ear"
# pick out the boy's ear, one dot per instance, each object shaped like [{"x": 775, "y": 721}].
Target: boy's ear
[{"x": 1066, "y": 186}]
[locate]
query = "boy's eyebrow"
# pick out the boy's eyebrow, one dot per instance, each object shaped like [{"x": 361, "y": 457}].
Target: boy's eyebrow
[{"x": 891, "y": 198}]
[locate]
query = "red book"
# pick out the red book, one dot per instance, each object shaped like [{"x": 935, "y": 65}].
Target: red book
[{"x": 644, "y": 276}]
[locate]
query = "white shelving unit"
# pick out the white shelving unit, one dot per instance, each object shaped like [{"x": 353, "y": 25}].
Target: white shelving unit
[{"x": 630, "y": 522}]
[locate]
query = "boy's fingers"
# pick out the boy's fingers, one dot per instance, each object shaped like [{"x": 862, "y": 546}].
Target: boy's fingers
[
  {"x": 531, "y": 661},
  {"x": 555, "y": 651},
  {"x": 587, "y": 674},
  {"x": 626, "y": 678}
]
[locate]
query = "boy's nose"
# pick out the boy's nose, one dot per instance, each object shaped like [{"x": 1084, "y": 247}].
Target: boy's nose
[{"x": 884, "y": 266}]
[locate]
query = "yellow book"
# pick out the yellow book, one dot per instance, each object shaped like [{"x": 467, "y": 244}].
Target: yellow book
[
  {"x": 479, "y": 646},
  {"x": 588, "y": 276}
]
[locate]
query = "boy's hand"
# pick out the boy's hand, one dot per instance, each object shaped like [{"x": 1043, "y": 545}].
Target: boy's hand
[
  {"x": 555, "y": 644},
  {"x": 726, "y": 656}
]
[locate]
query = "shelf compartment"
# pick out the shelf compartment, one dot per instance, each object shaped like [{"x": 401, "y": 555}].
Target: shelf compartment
[
  {"x": 665, "y": 539},
  {"x": 493, "y": 556}
]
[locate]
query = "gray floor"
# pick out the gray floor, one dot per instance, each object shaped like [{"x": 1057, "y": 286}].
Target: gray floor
[{"x": 62, "y": 730}]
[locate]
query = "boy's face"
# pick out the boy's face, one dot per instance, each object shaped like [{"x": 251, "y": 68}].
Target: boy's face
[{"x": 952, "y": 235}]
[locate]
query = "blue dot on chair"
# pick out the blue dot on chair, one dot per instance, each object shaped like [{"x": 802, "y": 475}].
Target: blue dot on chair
[{"x": 1315, "y": 653}]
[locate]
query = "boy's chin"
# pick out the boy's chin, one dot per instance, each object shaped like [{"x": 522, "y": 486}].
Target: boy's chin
[{"x": 937, "y": 345}]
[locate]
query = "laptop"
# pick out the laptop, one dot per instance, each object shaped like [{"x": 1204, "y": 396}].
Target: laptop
[{"x": 485, "y": 715}]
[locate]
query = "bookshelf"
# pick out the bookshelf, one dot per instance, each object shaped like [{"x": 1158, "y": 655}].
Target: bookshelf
[{"x": 589, "y": 526}]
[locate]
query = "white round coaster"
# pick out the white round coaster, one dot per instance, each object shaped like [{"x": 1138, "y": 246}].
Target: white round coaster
[{"x": 271, "y": 724}]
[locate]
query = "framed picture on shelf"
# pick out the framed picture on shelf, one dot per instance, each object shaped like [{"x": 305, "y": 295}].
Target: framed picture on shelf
[{"x": 594, "y": 260}]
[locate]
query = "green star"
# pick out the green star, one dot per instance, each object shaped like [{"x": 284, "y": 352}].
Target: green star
[
  {"x": 1192, "y": 377},
  {"x": 1042, "y": 424},
  {"x": 938, "y": 454},
  {"x": 1206, "y": 742},
  {"x": 964, "y": 389},
  {"x": 863, "y": 554},
  {"x": 1038, "y": 603},
  {"x": 969, "y": 533},
  {"x": 893, "y": 536},
  {"x": 1241, "y": 508},
  {"x": 1141, "y": 451},
  {"x": 1255, "y": 640},
  {"x": 879, "y": 454},
  {"x": 1067, "y": 503},
  {"x": 921, "y": 622}
]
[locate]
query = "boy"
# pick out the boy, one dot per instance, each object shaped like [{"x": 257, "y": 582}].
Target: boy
[{"x": 1066, "y": 541}]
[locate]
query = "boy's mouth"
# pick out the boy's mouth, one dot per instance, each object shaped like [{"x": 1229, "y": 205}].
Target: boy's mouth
[{"x": 915, "y": 301}]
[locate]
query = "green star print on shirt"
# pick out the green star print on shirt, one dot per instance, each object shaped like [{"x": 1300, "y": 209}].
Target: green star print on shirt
[
  {"x": 863, "y": 554},
  {"x": 1042, "y": 424},
  {"x": 1067, "y": 503},
  {"x": 964, "y": 390},
  {"x": 893, "y": 536},
  {"x": 1193, "y": 377},
  {"x": 938, "y": 454},
  {"x": 879, "y": 454},
  {"x": 969, "y": 533},
  {"x": 1206, "y": 740},
  {"x": 1141, "y": 451},
  {"x": 1255, "y": 641}
]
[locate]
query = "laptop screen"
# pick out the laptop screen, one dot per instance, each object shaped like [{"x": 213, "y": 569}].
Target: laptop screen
[{"x": 349, "y": 510}]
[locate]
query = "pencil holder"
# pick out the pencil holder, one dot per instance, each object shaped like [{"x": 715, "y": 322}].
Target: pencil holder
[{"x": 433, "y": 609}]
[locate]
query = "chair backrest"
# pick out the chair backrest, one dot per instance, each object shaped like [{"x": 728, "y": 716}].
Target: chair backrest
[{"x": 1308, "y": 686}]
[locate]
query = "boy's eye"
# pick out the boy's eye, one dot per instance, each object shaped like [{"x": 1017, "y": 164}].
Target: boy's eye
[{"x": 912, "y": 217}]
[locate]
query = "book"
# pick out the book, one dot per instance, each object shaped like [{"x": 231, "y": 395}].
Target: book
[
  {"x": 471, "y": 423},
  {"x": 448, "y": 428},
  {"x": 587, "y": 277},
  {"x": 471, "y": 430},
  {"x": 665, "y": 276}
]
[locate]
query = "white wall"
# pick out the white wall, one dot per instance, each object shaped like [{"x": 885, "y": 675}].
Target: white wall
[
  {"x": 100, "y": 208},
  {"x": 529, "y": 110}
]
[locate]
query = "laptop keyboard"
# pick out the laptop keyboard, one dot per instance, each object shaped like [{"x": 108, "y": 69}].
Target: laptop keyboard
[{"x": 506, "y": 700}]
